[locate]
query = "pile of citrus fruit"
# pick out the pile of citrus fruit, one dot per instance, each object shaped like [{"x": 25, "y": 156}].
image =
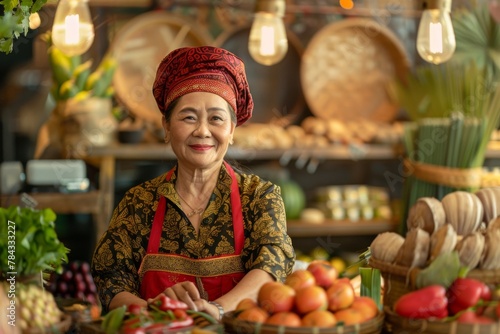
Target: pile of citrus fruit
[{"x": 312, "y": 297}]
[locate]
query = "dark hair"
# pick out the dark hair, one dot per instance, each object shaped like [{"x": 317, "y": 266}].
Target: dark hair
[{"x": 168, "y": 111}]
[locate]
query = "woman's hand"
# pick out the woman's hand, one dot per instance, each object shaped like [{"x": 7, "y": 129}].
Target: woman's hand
[
  {"x": 185, "y": 292},
  {"x": 188, "y": 293},
  {"x": 205, "y": 306}
]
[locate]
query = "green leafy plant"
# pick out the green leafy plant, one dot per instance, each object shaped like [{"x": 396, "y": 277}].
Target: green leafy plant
[
  {"x": 29, "y": 244},
  {"x": 74, "y": 78},
  {"x": 15, "y": 20}
]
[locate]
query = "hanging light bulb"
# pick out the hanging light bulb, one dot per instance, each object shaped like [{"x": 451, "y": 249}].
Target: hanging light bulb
[
  {"x": 267, "y": 42},
  {"x": 73, "y": 31},
  {"x": 436, "y": 38}
]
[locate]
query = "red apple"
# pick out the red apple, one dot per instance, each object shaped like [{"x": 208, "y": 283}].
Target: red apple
[
  {"x": 324, "y": 273},
  {"x": 310, "y": 298},
  {"x": 300, "y": 278},
  {"x": 340, "y": 295},
  {"x": 276, "y": 297}
]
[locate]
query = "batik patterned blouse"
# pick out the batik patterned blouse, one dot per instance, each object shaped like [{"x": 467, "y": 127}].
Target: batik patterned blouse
[{"x": 267, "y": 246}]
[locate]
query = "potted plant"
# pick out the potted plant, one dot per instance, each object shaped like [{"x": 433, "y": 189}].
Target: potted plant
[{"x": 83, "y": 94}]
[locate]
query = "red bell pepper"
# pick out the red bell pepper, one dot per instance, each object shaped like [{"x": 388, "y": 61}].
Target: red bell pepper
[
  {"x": 165, "y": 303},
  {"x": 156, "y": 328},
  {"x": 188, "y": 321},
  {"x": 465, "y": 293},
  {"x": 424, "y": 303},
  {"x": 135, "y": 309},
  {"x": 180, "y": 314},
  {"x": 138, "y": 330},
  {"x": 135, "y": 325},
  {"x": 160, "y": 327}
]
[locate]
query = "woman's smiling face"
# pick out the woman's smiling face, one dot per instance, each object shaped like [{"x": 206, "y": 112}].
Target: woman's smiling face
[{"x": 200, "y": 128}]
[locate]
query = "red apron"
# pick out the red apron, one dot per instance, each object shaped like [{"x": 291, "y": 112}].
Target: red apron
[{"x": 214, "y": 276}]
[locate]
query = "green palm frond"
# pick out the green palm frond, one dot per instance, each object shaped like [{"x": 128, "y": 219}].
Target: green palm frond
[{"x": 478, "y": 39}]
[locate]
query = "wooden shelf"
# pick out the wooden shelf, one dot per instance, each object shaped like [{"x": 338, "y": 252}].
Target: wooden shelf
[
  {"x": 88, "y": 202},
  {"x": 68, "y": 203},
  {"x": 297, "y": 228},
  {"x": 155, "y": 151},
  {"x": 158, "y": 151}
]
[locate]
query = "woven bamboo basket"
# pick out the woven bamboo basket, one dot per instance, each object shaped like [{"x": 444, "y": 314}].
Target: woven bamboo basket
[
  {"x": 357, "y": 57},
  {"x": 399, "y": 280},
  {"x": 399, "y": 325},
  {"x": 236, "y": 326}
]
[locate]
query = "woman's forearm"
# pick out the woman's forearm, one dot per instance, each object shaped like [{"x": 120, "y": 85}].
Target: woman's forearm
[
  {"x": 248, "y": 287},
  {"x": 126, "y": 298}
]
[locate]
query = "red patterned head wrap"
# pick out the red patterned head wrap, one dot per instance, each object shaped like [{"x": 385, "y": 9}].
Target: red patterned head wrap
[{"x": 204, "y": 69}]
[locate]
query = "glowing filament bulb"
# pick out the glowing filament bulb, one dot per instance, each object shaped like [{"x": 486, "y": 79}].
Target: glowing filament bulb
[
  {"x": 73, "y": 30},
  {"x": 267, "y": 42},
  {"x": 436, "y": 38}
]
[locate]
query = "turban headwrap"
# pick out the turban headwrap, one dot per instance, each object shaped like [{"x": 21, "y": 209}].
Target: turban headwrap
[{"x": 204, "y": 69}]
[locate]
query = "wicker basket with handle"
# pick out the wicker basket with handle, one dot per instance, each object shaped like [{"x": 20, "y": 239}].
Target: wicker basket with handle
[{"x": 399, "y": 280}]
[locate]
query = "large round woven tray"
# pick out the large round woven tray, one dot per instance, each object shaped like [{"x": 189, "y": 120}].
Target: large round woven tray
[
  {"x": 235, "y": 326},
  {"x": 139, "y": 46},
  {"x": 346, "y": 69},
  {"x": 399, "y": 325},
  {"x": 399, "y": 280}
]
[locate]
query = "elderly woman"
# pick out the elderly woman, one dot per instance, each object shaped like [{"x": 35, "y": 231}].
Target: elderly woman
[{"x": 202, "y": 233}]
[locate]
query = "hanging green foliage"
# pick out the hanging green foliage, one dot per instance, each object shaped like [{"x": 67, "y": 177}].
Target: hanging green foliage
[{"x": 15, "y": 20}]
